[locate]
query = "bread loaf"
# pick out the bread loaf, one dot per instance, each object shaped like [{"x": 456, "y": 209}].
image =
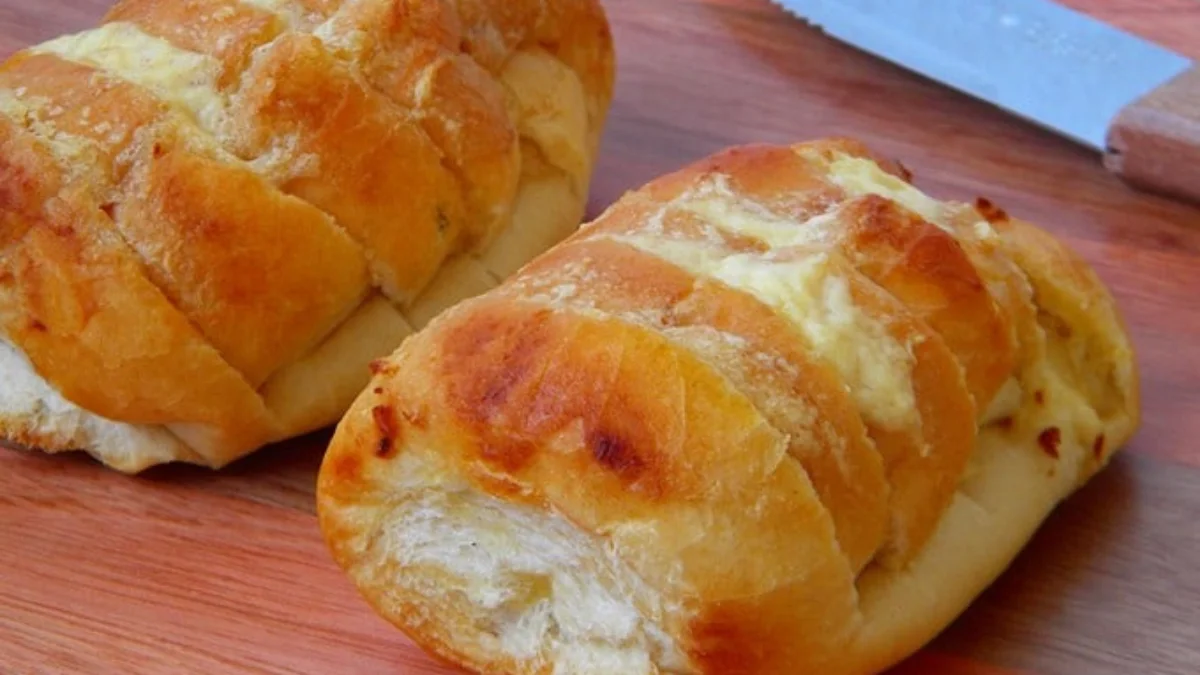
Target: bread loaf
[
  {"x": 216, "y": 213},
  {"x": 777, "y": 412}
]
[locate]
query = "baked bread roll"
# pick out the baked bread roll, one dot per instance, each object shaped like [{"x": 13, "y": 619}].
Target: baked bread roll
[
  {"x": 777, "y": 412},
  {"x": 216, "y": 213}
]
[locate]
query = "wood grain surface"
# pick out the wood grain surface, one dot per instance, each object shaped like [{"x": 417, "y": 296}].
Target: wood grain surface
[{"x": 186, "y": 571}]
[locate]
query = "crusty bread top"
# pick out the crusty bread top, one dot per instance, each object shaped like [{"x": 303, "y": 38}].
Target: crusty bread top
[
  {"x": 766, "y": 385},
  {"x": 256, "y": 170}
]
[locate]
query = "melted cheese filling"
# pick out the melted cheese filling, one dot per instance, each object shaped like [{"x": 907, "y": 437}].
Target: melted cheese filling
[
  {"x": 718, "y": 205},
  {"x": 184, "y": 79},
  {"x": 876, "y": 368},
  {"x": 860, "y": 177}
]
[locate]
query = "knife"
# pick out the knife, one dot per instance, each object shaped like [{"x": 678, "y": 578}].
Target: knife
[{"x": 1134, "y": 102}]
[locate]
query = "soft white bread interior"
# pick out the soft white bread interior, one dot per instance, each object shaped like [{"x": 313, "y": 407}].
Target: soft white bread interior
[
  {"x": 776, "y": 412},
  {"x": 215, "y": 214}
]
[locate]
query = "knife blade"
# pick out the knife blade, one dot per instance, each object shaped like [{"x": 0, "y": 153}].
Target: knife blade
[{"x": 1046, "y": 63}]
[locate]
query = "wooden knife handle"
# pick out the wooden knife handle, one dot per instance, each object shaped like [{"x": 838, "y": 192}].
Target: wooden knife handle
[{"x": 1154, "y": 143}]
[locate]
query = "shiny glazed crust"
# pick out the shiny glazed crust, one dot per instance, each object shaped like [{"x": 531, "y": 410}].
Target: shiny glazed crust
[
  {"x": 776, "y": 412},
  {"x": 216, "y": 213}
]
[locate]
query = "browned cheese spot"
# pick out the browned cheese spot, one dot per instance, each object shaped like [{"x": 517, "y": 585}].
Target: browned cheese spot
[
  {"x": 615, "y": 454},
  {"x": 1049, "y": 440},
  {"x": 990, "y": 212},
  {"x": 385, "y": 422},
  {"x": 1098, "y": 446},
  {"x": 382, "y": 367},
  {"x": 1039, "y": 397}
]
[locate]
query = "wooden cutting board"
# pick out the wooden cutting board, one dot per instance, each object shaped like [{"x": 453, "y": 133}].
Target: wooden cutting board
[{"x": 185, "y": 571}]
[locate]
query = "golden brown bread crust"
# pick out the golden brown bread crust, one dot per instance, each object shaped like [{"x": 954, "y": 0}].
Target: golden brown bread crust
[
  {"x": 847, "y": 471},
  {"x": 271, "y": 170},
  {"x": 208, "y": 232},
  {"x": 774, "y": 412},
  {"x": 411, "y": 51},
  {"x": 68, "y": 283},
  {"x": 229, "y": 32}
]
